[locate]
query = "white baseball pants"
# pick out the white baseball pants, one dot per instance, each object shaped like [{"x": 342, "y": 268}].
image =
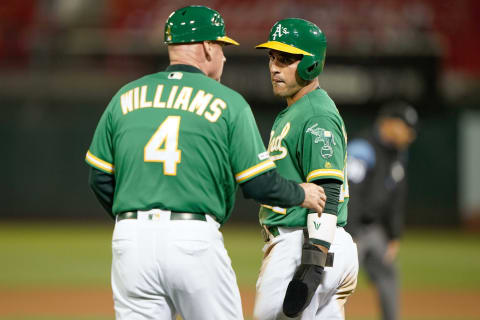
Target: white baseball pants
[
  {"x": 283, "y": 255},
  {"x": 163, "y": 267}
]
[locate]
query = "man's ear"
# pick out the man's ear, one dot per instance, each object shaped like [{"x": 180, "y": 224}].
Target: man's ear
[{"x": 207, "y": 49}]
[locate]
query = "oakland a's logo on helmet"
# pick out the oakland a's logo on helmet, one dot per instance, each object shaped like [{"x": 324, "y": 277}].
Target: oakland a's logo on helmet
[
  {"x": 217, "y": 20},
  {"x": 168, "y": 33},
  {"x": 279, "y": 32},
  {"x": 298, "y": 36}
]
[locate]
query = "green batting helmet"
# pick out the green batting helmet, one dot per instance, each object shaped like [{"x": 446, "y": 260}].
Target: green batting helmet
[
  {"x": 298, "y": 36},
  {"x": 195, "y": 24}
]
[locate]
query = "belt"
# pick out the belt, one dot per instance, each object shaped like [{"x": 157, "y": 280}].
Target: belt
[{"x": 173, "y": 216}]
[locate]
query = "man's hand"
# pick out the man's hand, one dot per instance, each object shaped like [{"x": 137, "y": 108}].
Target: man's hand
[
  {"x": 314, "y": 197},
  {"x": 392, "y": 251}
]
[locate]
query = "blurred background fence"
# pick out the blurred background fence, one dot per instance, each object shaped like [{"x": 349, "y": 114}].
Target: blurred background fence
[{"x": 62, "y": 61}]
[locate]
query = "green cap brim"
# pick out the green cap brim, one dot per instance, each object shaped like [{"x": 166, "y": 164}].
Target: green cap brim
[
  {"x": 280, "y": 46},
  {"x": 227, "y": 40}
]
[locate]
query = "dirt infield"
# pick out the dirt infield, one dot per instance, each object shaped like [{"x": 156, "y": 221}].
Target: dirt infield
[{"x": 98, "y": 302}]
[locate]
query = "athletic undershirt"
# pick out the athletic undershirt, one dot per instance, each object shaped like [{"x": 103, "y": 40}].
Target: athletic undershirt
[
  {"x": 267, "y": 188},
  {"x": 332, "y": 191},
  {"x": 271, "y": 189}
]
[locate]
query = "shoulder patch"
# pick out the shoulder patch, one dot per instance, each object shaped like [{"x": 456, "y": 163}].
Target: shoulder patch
[
  {"x": 324, "y": 136},
  {"x": 357, "y": 170}
]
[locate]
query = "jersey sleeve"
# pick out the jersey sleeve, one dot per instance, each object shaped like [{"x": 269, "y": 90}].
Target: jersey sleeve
[
  {"x": 247, "y": 151},
  {"x": 100, "y": 153},
  {"x": 323, "y": 150}
]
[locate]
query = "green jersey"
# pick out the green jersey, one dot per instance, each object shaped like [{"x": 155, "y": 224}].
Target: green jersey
[
  {"x": 180, "y": 141},
  {"x": 308, "y": 142}
]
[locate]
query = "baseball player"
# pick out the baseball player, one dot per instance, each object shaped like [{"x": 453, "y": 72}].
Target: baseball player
[
  {"x": 167, "y": 156},
  {"x": 377, "y": 162},
  {"x": 306, "y": 275}
]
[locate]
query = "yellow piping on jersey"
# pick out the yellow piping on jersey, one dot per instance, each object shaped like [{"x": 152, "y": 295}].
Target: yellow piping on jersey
[
  {"x": 262, "y": 166},
  {"x": 325, "y": 173},
  {"x": 278, "y": 210},
  {"x": 99, "y": 163}
]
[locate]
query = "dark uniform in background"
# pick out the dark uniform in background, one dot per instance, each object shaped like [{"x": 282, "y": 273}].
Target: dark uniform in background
[{"x": 377, "y": 162}]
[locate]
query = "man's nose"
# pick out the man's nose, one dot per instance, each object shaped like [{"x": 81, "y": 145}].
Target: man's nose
[{"x": 273, "y": 66}]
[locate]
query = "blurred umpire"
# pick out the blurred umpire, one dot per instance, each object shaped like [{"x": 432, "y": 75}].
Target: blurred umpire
[{"x": 377, "y": 175}]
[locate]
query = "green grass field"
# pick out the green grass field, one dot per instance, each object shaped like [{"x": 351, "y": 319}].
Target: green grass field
[{"x": 77, "y": 257}]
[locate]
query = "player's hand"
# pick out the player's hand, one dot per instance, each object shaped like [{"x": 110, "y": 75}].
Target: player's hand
[{"x": 314, "y": 197}]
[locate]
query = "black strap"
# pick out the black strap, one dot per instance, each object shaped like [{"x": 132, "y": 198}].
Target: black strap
[{"x": 313, "y": 255}]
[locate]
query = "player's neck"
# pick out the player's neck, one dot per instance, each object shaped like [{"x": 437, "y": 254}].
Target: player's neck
[
  {"x": 190, "y": 54},
  {"x": 188, "y": 62},
  {"x": 314, "y": 84}
]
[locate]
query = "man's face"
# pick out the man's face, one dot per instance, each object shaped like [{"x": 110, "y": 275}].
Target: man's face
[
  {"x": 283, "y": 73},
  {"x": 397, "y": 132},
  {"x": 218, "y": 60}
]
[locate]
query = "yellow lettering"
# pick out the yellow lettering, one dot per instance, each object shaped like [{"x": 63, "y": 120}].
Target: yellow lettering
[
  {"x": 216, "y": 110},
  {"x": 136, "y": 94},
  {"x": 137, "y": 98},
  {"x": 183, "y": 98},
  {"x": 173, "y": 92},
  {"x": 127, "y": 102},
  {"x": 270, "y": 141},
  {"x": 275, "y": 143},
  {"x": 158, "y": 95},
  {"x": 285, "y": 130},
  {"x": 200, "y": 102},
  {"x": 143, "y": 98}
]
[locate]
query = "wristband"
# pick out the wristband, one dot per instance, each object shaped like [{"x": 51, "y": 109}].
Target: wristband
[{"x": 321, "y": 230}]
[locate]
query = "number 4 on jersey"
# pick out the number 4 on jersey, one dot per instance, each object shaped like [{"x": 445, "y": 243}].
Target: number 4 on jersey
[{"x": 166, "y": 136}]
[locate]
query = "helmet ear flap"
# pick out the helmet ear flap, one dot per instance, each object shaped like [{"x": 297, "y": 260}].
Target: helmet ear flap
[
  {"x": 309, "y": 68},
  {"x": 312, "y": 67}
]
